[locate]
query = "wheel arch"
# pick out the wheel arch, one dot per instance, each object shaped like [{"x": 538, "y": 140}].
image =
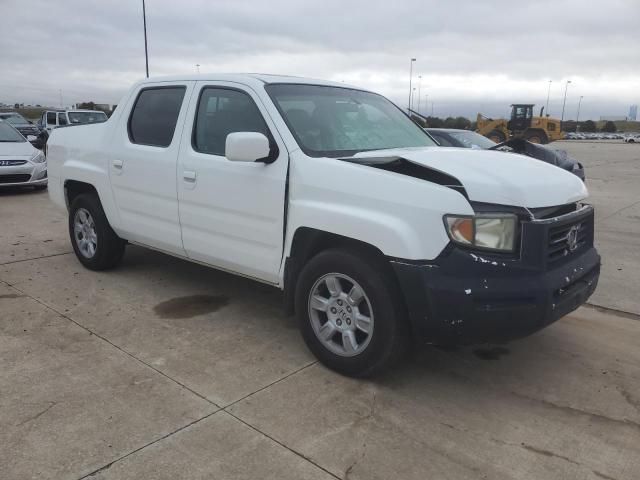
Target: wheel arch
[{"x": 308, "y": 242}]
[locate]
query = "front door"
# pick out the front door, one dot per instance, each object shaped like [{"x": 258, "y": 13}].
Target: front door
[
  {"x": 231, "y": 213},
  {"x": 143, "y": 166}
]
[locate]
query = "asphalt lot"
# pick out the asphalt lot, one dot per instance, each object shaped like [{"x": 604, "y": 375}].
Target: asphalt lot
[{"x": 165, "y": 369}]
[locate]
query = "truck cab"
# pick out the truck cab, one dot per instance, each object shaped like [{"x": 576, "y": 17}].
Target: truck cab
[
  {"x": 375, "y": 233},
  {"x": 51, "y": 119}
]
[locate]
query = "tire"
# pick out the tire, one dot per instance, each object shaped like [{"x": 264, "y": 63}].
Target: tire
[
  {"x": 536, "y": 137},
  {"x": 101, "y": 249},
  {"x": 386, "y": 341},
  {"x": 496, "y": 136}
]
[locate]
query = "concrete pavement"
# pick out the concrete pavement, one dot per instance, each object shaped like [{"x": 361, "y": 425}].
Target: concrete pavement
[{"x": 166, "y": 369}]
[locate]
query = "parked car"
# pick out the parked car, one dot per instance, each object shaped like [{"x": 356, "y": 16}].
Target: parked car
[
  {"x": 31, "y": 132},
  {"x": 451, "y": 137},
  {"x": 334, "y": 195},
  {"x": 632, "y": 139},
  {"x": 51, "y": 119},
  {"x": 21, "y": 164}
]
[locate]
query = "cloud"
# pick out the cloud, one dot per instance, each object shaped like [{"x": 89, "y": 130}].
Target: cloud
[{"x": 471, "y": 54}]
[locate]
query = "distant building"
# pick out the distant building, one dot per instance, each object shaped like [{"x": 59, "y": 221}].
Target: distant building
[
  {"x": 633, "y": 112},
  {"x": 613, "y": 118}
]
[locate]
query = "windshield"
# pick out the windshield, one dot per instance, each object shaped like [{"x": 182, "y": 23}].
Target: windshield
[
  {"x": 334, "y": 121},
  {"x": 14, "y": 118},
  {"x": 87, "y": 117},
  {"x": 8, "y": 134},
  {"x": 473, "y": 140}
]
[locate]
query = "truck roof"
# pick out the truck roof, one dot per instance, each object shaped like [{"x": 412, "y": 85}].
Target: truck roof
[{"x": 246, "y": 78}]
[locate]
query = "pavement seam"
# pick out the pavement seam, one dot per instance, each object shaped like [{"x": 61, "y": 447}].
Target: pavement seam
[
  {"x": 295, "y": 452},
  {"x": 613, "y": 311},
  {"x": 44, "y": 304},
  {"x": 35, "y": 258},
  {"x": 270, "y": 385},
  {"x": 110, "y": 464},
  {"x": 618, "y": 211}
]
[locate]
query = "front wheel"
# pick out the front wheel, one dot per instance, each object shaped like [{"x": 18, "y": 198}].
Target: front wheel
[
  {"x": 349, "y": 313},
  {"x": 95, "y": 243}
]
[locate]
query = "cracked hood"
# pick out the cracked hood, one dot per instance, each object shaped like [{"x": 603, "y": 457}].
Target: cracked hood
[{"x": 495, "y": 177}]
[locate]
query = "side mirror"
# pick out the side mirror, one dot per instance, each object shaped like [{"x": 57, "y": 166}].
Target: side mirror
[{"x": 246, "y": 146}]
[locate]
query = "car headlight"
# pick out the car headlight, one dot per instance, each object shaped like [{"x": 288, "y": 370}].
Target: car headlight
[
  {"x": 484, "y": 231},
  {"x": 38, "y": 158}
]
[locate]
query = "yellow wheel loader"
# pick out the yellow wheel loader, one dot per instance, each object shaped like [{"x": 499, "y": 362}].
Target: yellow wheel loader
[{"x": 522, "y": 124}]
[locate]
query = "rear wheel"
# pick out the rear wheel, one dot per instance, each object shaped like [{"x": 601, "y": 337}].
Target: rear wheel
[
  {"x": 496, "y": 136},
  {"x": 95, "y": 243},
  {"x": 349, "y": 313}
]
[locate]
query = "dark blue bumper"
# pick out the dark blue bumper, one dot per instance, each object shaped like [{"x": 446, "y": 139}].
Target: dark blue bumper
[{"x": 468, "y": 297}]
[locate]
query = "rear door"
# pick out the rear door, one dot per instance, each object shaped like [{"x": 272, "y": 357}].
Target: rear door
[
  {"x": 231, "y": 213},
  {"x": 143, "y": 164}
]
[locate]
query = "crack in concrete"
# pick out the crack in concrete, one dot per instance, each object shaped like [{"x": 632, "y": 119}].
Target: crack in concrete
[
  {"x": 35, "y": 258},
  {"x": 110, "y": 464},
  {"x": 577, "y": 411},
  {"x": 613, "y": 311},
  {"x": 602, "y": 475},
  {"x": 548, "y": 453},
  {"x": 38, "y": 415}
]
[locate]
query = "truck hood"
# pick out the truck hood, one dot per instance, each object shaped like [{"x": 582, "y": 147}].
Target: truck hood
[{"x": 494, "y": 177}]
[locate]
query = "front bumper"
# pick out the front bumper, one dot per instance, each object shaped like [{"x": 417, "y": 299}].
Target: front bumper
[
  {"x": 465, "y": 297},
  {"x": 25, "y": 175}
]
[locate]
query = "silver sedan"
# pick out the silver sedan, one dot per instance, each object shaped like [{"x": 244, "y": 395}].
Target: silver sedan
[{"x": 20, "y": 163}]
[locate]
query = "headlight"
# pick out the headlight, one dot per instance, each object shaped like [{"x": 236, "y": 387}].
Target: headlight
[
  {"x": 488, "y": 232},
  {"x": 38, "y": 158}
]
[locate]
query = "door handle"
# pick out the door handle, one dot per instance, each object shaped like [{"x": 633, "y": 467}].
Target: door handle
[
  {"x": 189, "y": 176},
  {"x": 117, "y": 164}
]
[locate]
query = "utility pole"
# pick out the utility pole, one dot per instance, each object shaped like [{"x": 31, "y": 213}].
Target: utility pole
[
  {"x": 548, "y": 93},
  {"x": 61, "y": 102},
  {"x": 146, "y": 52},
  {"x": 410, "y": 78},
  {"x": 564, "y": 102},
  {"x": 198, "y": 67},
  {"x": 578, "y": 115}
]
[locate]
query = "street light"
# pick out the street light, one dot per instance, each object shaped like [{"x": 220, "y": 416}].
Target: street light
[
  {"x": 548, "y": 93},
  {"x": 578, "y": 115},
  {"x": 419, "y": 86},
  {"x": 564, "y": 102},
  {"x": 410, "y": 78},
  {"x": 146, "y": 53},
  {"x": 198, "y": 67}
]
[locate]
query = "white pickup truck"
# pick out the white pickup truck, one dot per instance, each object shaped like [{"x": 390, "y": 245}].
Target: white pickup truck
[{"x": 331, "y": 193}]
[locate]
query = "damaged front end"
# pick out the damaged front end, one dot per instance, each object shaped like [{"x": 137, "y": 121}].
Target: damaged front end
[{"x": 470, "y": 296}]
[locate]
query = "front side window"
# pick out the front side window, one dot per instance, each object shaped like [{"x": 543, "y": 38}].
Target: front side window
[
  {"x": 62, "y": 119},
  {"x": 155, "y": 115},
  {"x": 334, "y": 121},
  {"x": 51, "y": 118},
  {"x": 222, "y": 111}
]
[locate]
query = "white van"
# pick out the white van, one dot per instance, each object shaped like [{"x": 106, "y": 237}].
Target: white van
[{"x": 51, "y": 119}]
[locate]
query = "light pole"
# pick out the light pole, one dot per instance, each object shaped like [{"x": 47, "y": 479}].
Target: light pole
[
  {"x": 548, "y": 93},
  {"x": 419, "y": 87},
  {"x": 146, "y": 53},
  {"x": 410, "y": 78},
  {"x": 564, "y": 102},
  {"x": 198, "y": 67},
  {"x": 578, "y": 115}
]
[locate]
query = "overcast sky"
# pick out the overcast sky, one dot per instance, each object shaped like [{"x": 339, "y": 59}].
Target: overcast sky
[{"x": 472, "y": 55}]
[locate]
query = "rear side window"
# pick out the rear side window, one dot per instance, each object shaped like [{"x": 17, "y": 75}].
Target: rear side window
[
  {"x": 51, "y": 118},
  {"x": 154, "y": 116},
  {"x": 222, "y": 111},
  {"x": 62, "y": 119}
]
